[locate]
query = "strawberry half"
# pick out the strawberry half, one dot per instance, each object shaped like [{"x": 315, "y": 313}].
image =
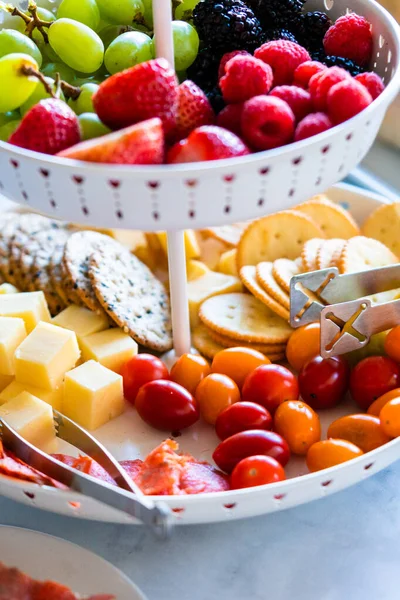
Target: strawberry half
[
  {"x": 194, "y": 110},
  {"x": 49, "y": 127},
  {"x": 147, "y": 90},
  {"x": 207, "y": 143},
  {"x": 141, "y": 144}
]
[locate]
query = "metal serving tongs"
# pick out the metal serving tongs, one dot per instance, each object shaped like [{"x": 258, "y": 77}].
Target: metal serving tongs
[
  {"x": 127, "y": 497},
  {"x": 348, "y": 318}
]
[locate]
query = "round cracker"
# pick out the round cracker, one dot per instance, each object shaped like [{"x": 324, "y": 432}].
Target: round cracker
[
  {"x": 309, "y": 254},
  {"x": 329, "y": 253},
  {"x": 279, "y": 235},
  {"x": 132, "y": 296},
  {"x": 362, "y": 253},
  {"x": 228, "y": 342},
  {"x": 8, "y": 222},
  {"x": 23, "y": 243},
  {"x": 383, "y": 224},
  {"x": 56, "y": 274},
  {"x": 249, "y": 279},
  {"x": 335, "y": 221},
  {"x": 244, "y": 317},
  {"x": 204, "y": 343},
  {"x": 283, "y": 269},
  {"x": 265, "y": 278}
]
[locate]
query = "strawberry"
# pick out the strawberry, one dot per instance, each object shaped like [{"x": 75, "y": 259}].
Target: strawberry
[
  {"x": 140, "y": 144},
  {"x": 207, "y": 143},
  {"x": 194, "y": 110},
  {"x": 142, "y": 92},
  {"x": 49, "y": 127}
]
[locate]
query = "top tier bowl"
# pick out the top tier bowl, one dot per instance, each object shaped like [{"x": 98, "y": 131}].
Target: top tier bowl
[{"x": 172, "y": 197}]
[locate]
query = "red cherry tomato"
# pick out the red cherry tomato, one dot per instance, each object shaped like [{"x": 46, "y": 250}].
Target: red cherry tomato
[
  {"x": 241, "y": 417},
  {"x": 324, "y": 381},
  {"x": 250, "y": 443},
  {"x": 373, "y": 377},
  {"x": 270, "y": 385},
  {"x": 139, "y": 370},
  {"x": 166, "y": 405},
  {"x": 256, "y": 470}
]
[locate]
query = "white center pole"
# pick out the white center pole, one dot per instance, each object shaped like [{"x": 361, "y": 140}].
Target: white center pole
[{"x": 162, "y": 19}]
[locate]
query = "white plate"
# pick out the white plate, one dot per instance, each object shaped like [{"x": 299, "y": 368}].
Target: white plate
[{"x": 63, "y": 562}]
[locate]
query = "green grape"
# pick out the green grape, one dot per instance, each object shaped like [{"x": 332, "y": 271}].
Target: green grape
[
  {"x": 84, "y": 102},
  {"x": 8, "y": 129},
  {"x": 128, "y": 50},
  {"x": 7, "y": 21},
  {"x": 77, "y": 45},
  {"x": 91, "y": 126},
  {"x": 45, "y": 48},
  {"x": 15, "y": 86},
  {"x": 12, "y": 115},
  {"x": 65, "y": 72},
  {"x": 120, "y": 12},
  {"x": 38, "y": 94},
  {"x": 102, "y": 24},
  {"x": 14, "y": 41},
  {"x": 148, "y": 13},
  {"x": 84, "y": 11},
  {"x": 110, "y": 32},
  {"x": 184, "y": 7},
  {"x": 182, "y": 76},
  {"x": 186, "y": 44}
]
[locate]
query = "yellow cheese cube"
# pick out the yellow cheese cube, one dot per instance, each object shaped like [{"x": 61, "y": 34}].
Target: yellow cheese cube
[
  {"x": 192, "y": 248},
  {"x": 7, "y": 288},
  {"x": 195, "y": 269},
  {"x": 81, "y": 320},
  {"x": 132, "y": 239},
  {"x": 211, "y": 250},
  {"x": 93, "y": 395},
  {"x": 32, "y": 419},
  {"x": 52, "y": 397},
  {"x": 45, "y": 356},
  {"x": 5, "y": 381},
  {"x": 29, "y": 306},
  {"x": 12, "y": 333},
  {"x": 111, "y": 348},
  {"x": 210, "y": 284},
  {"x": 227, "y": 263}
]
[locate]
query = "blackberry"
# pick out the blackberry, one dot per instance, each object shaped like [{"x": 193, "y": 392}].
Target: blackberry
[
  {"x": 204, "y": 70},
  {"x": 215, "y": 98},
  {"x": 310, "y": 29},
  {"x": 227, "y": 25},
  {"x": 275, "y": 14},
  {"x": 279, "y": 34},
  {"x": 338, "y": 61}
]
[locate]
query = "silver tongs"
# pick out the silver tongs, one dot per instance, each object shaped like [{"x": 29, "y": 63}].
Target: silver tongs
[
  {"x": 348, "y": 316},
  {"x": 125, "y": 496}
]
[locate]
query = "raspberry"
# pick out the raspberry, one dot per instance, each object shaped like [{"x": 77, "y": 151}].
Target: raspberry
[
  {"x": 322, "y": 82},
  {"x": 299, "y": 100},
  {"x": 347, "y": 99},
  {"x": 267, "y": 122},
  {"x": 245, "y": 77},
  {"x": 194, "y": 110},
  {"x": 305, "y": 71},
  {"x": 372, "y": 82},
  {"x": 350, "y": 37},
  {"x": 230, "y": 118},
  {"x": 311, "y": 125},
  {"x": 227, "y": 57},
  {"x": 284, "y": 57}
]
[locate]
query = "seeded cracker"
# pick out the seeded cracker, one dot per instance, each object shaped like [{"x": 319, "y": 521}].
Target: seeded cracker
[
  {"x": 132, "y": 296},
  {"x": 8, "y": 222},
  {"x": 56, "y": 274}
]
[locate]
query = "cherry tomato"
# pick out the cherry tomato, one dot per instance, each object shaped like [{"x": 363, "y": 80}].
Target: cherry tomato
[
  {"x": 139, "y": 370},
  {"x": 241, "y": 417},
  {"x": 303, "y": 345},
  {"x": 392, "y": 344},
  {"x": 329, "y": 453},
  {"x": 376, "y": 407},
  {"x": 299, "y": 424},
  {"x": 189, "y": 370},
  {"x": 270, "y": 385},
  {"x": 373, "y": 377},
  {"x": 390, "y": 418},
  {"x": 364, "y": 431},
  {"x": 166, "y": 405},
  {"x": 256, "y": 470},
  {"x": 250, "y": 443},
  {"x": 237, "y": 363},
  {"x": 215, "y": 393},
  {"x": 324, "y": 381}
]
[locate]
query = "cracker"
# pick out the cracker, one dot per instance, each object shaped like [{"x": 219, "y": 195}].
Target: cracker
[
  {"x": 8, "y": 222},
  {"x": 228, "y": 234},
  {"x": 335, "y": 221},
  {"x": 265, "y": 278},
  {"x": 309, "y": 254},
  {"x": 244, "y": 317},
  {"x": 362, "y": 253},
  {"x": 279, "y": 235},
  {"x": 132, "y": 296},
  {"x": 329, "y": 253},
  {"x": 204, "y": 343},
  {"x": 383, "y": 224},
  {"x": 28, "y": 225},
  {"x": 249, "y": 279},
  {"x": 228, "y": 342},
  {"x": 56, "y": 273},
  {"x": 283, "y": 269}
]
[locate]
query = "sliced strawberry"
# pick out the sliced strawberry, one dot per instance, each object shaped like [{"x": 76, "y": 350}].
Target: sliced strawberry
[
  {"x": 194, "y": 110},
  {"x": 141, "y": 144},
  {"x": 207, "y": 143}
]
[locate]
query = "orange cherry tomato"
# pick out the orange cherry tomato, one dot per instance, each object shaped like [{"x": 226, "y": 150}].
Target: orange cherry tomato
[
  {"x": 299, "y": 424},
  {"x": 390, "y": 418},
  {"x": 215, "y": 393},
  {"x": 376, "y": 407},
  {"x": 189, "y": 370},
  {"x": 329, "y": 453},
  {"x": 238, "y": 362},
  {"x": 364, "y": 431},
  {"x": 392, "y": 344},
  {"x": 303, "y": 345}
]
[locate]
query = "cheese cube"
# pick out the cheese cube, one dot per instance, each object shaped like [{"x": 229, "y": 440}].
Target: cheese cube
[
  {"x": 12, "y": 333},
  {"x": 81, "y": 320},
  {"x": 192, "y": 248},
  {"x": 7, "y": 288},
  {"x": 45, "y": 356},
  {"x": 5, "y": 381},
  {"x": 210, "y": 284},
  {"x": 111, "y": 348},
  {"x": 32, "y": 419},
  {"x": 93, "y": 395},
  {"x": 211, "y": 250},
  {"x": 29, "y": 306},
  {"x": 195, "y": 269},
  {"x": 52, "y": 397},
  {"x": 227, "y": 263}
]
